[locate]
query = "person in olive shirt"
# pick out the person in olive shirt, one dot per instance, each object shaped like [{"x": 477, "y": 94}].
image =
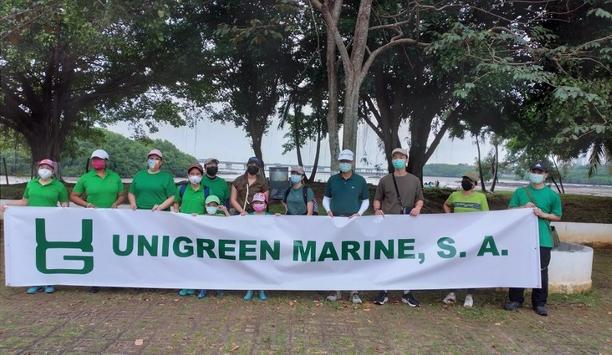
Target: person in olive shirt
[
  {"x": 102, "y": 186},
  {"x": 216, "y": 185},
  {"x": 42, "y": 191},
  {"x": 546, "y": 204},
  {"x": 398, "y": 193},
  {"x": 152, "y": 189},
  {"x": 190, "y": 198},
  {"x": 466, "y": 200},
  {"x": 346, "y": 195},
  {"x": 299, "y": 198}
]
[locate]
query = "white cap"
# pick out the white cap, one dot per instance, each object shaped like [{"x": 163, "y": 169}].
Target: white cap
[
  {"x": 155, "y": 152},
  {"x": 346, "y": 154},
  {"x": 99, "y": 153}
]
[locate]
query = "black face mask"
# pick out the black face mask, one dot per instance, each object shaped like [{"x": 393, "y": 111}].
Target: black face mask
[
  {"x": 466, "y": 185},
  {"x": 212, "y": 171},
  {"x": 252, "y": 169}
]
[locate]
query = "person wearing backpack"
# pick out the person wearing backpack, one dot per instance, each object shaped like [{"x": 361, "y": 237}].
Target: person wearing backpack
[
  {"x": 546, "y": 204},
  {"x": 299, "y": 199},
  {"x": 191, "y": 197}
]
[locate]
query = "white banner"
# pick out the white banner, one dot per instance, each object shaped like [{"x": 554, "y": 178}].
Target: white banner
[{"x": 124, "y": 248}]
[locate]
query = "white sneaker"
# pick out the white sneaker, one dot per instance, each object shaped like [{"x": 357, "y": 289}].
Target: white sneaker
[
  {"x": 355, "y": 298},
  {"x": 450, "y": 298},
  {"x": 333, "y": 297},
  {"x": 469, "y": 301}
]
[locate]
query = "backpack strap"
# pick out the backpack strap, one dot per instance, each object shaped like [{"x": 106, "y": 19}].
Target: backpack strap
[
  {"x": 286, "y": 194},
  {"x": 182, "y": 189}
]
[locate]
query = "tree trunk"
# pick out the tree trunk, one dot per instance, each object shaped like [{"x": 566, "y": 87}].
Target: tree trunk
[
  {"x": 482, "y": 184},
  {"x": 296, "y": 140},
  {"x": 560, "y": 179},
  {"x": 332, "y": 102},
  {"x": 315, "y": 164},
  {"x": 555, "y": 182},
  {"x": 495, "y": 166},
  {"x": 350, "y": 118}
]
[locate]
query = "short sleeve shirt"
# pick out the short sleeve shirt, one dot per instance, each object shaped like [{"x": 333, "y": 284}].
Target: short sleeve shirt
[
  {"x": 260, "y": 185},
  {"x": 346, "y": 194},
  {"x": 295, "y": 200},
  {"x": 49, "y": 195},
  {"x": 218, "y": 187},
  {"x": 101, "y": 192},
  {"x": 545, "y": 199},
  {"x": 152, "y": 189},
  {"x": 410, "y": 190},
  {"x": 192, "y": 200},
  {"x": 475, "y": 201}
]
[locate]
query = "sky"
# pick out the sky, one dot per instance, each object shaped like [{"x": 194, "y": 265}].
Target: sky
[{"x": 228, "y": 143}]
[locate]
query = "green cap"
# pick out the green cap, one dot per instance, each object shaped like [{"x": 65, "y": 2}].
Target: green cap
[{"x": 212, "y": 198}]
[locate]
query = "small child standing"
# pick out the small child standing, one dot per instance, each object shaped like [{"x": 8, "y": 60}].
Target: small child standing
[{"x": 259, "y": 206}]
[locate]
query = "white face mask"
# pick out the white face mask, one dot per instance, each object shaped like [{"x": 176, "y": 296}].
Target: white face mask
[
  {"x": 211, "y": 209},
  {"x": 44, "y": 173},
  {"x": 536, "y": 178},
  {"x": 195, "y": 179}
]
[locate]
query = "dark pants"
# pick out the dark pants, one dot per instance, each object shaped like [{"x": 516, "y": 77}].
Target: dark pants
[{"x": 538, "y": 295}]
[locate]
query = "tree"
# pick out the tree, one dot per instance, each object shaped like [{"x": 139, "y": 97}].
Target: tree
[{"x": 63, "y": 64}]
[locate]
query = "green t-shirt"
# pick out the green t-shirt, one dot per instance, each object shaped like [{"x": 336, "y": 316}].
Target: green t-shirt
[
  {"x": 474, "y": 202},
  {"x": 346, "y": 194},
  {"x": 192, "y": 201},
  {"x": 48, "y": 195},
  {"x": 218, "y": 187},
  {"x": 295, "y": 200},
  {"x": 545, "y": 199},
  {"x": 152, "y": 189},
  {"x": 101, "y": 192}
]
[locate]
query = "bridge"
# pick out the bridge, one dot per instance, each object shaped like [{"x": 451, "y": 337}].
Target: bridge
[{"x": 233, "y": 167}]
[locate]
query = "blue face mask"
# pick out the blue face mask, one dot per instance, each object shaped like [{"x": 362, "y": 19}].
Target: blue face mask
[
  {"x": 536, "y": 178},
  {"x": 151, "y": 163},
  {"x": 295, "y": 179},
  {"x": 399, "y": 164},
  {"x": 345, "y": 167}
]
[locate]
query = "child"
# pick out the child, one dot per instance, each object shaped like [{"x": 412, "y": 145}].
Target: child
[
  {"x": 259, "y": 207},
  {"x": 213, "y": 207}
]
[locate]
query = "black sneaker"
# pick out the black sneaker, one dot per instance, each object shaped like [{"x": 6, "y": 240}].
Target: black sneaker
[
  {"x": 541, "y": 310},
  {"x": 94, "y": 289},
  {"x": 512, "y": 306},
  {"x": 408, "y": 298},
  {"x": 381, "y": 298}
]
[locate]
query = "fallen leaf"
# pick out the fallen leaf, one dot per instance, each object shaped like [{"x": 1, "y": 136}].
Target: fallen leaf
[
  {"x": 234, "y": 348},
  {"x": 139, "y": 342}
]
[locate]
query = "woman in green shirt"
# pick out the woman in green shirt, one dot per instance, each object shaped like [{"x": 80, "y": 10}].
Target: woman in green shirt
[
  {"x": 152, "y": 189},
  {"x": 103, "y": 187},
  {"x": 42, "y": 191},
  {"x": 190, "y": 197}
]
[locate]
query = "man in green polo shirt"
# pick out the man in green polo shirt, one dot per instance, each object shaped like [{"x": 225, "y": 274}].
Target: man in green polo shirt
[
  {"x": 102, "y": 186},
  {"x": 216, "y": 185},
  {"x": 546, "y": 204},
  {"x": 346, "y": 195}
]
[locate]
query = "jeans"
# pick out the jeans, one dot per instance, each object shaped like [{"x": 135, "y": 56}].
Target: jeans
[{"x": 538, "y": 295}]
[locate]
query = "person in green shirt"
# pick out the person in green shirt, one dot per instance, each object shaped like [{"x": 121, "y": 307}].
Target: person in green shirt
[
  {"x": 466, "y": 200},
  {"x": 190, "y": 197},
  {"x": 546, "y": 204},
  {"x": 102, "y": 186},
  {"x": 216, "y": 185},
  {"x": 42, "y": 191},
  {"x": 347, "y": 195},
  {"x": 299, "y": 199},
  {"x": 152, "y": 189}
]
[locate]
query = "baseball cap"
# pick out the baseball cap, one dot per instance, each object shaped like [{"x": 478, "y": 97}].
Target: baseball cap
[
  {"x": 297, "y": 169},
  {"x": 259, "y": 197},
  {"x": 346, "y": 154},
  {"x": 155, "y": 152},
  {"x": 539, "y": 166},
  {"x": 49, "y": 162},
  {"x": 212, "y": 198},
  {"x": 400, "y": 151},
  {"x": 211, "y": 160},
  {"x": 472, "y": 176},
  {"x": 195, "y": 166},
  {"x": 99, "y": 153},
  {"x": 256, "y": 161}
]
